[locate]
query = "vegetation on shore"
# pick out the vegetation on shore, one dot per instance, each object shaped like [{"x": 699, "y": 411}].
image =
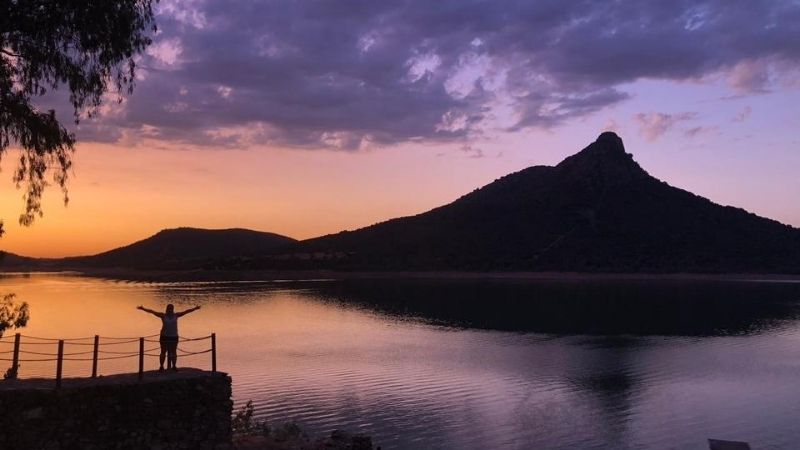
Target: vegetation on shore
[{"x": 251, "y": 434}]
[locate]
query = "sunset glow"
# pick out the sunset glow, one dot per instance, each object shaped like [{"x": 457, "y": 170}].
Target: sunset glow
[
  {"x": 244, "y": 146},
  {"x": 400, "y": 224}
]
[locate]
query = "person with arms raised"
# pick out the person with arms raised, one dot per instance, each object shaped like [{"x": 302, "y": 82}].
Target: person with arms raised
[{"x": 169, "y": 334}]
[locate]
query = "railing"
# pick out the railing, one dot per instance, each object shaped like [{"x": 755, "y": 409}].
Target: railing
[{"x": 97, "y": 354}]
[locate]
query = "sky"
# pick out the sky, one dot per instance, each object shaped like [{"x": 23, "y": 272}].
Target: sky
[{"x": 310, "y": 117}]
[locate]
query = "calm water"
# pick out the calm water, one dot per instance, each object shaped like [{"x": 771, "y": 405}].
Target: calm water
[{"x": 422, "y": 364}]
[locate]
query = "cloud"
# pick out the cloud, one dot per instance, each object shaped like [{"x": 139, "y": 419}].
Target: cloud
[
  {"x": 474, "y": 152},
  {"x": 611, "y": 125},
  {"x": 166, "y": 51},
  {"x": 357, "y": 73},
  {"x": 654, "y": 125},
  {"x": 697, "y": 131},
  {"x": 750, "y": 76},
  {"x": 743, "y": 115}
]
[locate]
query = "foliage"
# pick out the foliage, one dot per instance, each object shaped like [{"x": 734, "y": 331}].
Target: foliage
[
  {"x": 87, "y": 46},
  {"x": 243, "y": 418},
  {"x": 12, "y": 314},
  {"x": 243, "y": 422}
]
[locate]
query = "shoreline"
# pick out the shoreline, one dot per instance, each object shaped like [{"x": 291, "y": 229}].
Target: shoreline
[{"x": 166, "y": 276}]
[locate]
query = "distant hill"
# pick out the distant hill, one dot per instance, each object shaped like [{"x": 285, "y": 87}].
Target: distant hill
[
  {"x": 11, "y": 261},
  {"x": 186, "y": 248},
  {"x": 596, "y": 211}
]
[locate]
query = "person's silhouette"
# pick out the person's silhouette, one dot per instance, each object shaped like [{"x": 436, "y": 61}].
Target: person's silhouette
[{"x": 169, "y": 334}]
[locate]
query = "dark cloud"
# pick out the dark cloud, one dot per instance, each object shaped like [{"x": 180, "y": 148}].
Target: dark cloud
[{"x": 352, "y": 73}]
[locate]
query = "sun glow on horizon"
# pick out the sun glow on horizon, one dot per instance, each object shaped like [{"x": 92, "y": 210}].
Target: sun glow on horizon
[
  {"x": 119, "y": 195},
  {"x": 246, "y": 117}
]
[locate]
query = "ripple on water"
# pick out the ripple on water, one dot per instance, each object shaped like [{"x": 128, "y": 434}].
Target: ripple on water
[{"x": 317, "y": 360}]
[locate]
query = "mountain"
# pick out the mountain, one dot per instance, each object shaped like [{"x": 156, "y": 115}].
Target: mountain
[
  {"x": 12, "y": 261},
  {"x": 596, "y": 211},
  {"x": 186, "y": 248}
]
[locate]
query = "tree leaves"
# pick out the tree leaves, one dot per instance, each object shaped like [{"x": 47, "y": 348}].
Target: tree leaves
[
  {"x": 86, "y": 46},
  {"x": 12, "y": 314}
]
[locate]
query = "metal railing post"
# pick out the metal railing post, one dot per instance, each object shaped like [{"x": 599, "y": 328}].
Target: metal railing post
[
  {"x": 13, "y": 371},
  {"x": 141, "y": 358},
  {"x": 213, "y": 352},
  {"x": 94, "y": 355},
  {"x": 60, "y": 363},
  {"x": 15, "y": 362}
]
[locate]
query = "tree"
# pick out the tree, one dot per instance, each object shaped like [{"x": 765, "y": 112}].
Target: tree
[
  {"x": 87, "y": 46},
  {"x": 12, "y": 314}
]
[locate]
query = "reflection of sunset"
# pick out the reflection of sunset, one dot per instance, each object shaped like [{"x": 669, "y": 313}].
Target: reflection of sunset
[
  {"x": 71, "y": 307},
  {"x": 303, "y": 354}
]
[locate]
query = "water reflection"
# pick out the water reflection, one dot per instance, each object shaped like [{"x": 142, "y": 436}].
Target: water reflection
[
  {"x": 606, "y": 378},
  {"x": 526, "y": 365},
  {"x": 669, "y": 308}
]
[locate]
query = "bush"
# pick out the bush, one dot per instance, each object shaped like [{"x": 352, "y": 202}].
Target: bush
[{"x": 244, "y": 424}]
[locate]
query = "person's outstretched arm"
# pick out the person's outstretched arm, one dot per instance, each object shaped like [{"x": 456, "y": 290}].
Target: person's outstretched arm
[
  {"x": 147, "y": 310},
  {"x": 183, "y": 313}
]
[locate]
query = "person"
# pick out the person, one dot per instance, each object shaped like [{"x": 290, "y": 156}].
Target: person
[{"x": 169, "y": 334}]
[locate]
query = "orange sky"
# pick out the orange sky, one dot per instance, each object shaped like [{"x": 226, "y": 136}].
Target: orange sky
[
  {"x": 371, "y": 89},
  {"x": 119, "y": 195},
  {"x": 123, "y": 193},
  {"x": 127, "y": 191}
]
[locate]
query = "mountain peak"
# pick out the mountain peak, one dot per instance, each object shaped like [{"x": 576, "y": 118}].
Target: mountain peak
[
  {"x": 596, "y": 211},
  {"x": 605, "y": 160},
  {"x": 610, "y": 141},
  {"x": 607, "y": 146}
]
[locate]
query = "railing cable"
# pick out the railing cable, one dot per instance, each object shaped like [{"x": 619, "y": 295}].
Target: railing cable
[{"x": 97, "y": 342}]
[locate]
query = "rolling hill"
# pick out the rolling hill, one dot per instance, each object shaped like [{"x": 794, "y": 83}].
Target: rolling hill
[{"x": 182, "y": 248}]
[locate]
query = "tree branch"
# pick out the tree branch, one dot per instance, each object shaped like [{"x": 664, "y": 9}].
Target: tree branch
[{"x": 9, "y": 53}]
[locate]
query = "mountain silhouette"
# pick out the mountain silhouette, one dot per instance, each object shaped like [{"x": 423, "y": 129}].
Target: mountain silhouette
[
  {"x": 597, "y": 210},
  {"x": 186, "y": 248},
  {"x": 13, "y": 261}
]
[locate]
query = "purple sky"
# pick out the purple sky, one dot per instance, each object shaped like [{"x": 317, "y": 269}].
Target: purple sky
[{"x": 409, "y": 104}]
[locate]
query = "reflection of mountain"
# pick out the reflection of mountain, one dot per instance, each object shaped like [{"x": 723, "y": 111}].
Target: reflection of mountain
[
  {"x": 591, "y": 308},
  {"x": 607, "y": 379},
  {"x": 595, "y": 211}
]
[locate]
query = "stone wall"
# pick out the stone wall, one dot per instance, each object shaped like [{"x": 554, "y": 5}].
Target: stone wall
[{"x": 190, "y": 409}]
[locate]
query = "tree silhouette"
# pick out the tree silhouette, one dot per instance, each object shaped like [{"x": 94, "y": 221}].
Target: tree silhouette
[
  {"x": 12, "y": 314},
  {"x": 87, "y": 46}
]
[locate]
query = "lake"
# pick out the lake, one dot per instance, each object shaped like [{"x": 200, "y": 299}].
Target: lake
[{"x": 469, "y": 364}]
